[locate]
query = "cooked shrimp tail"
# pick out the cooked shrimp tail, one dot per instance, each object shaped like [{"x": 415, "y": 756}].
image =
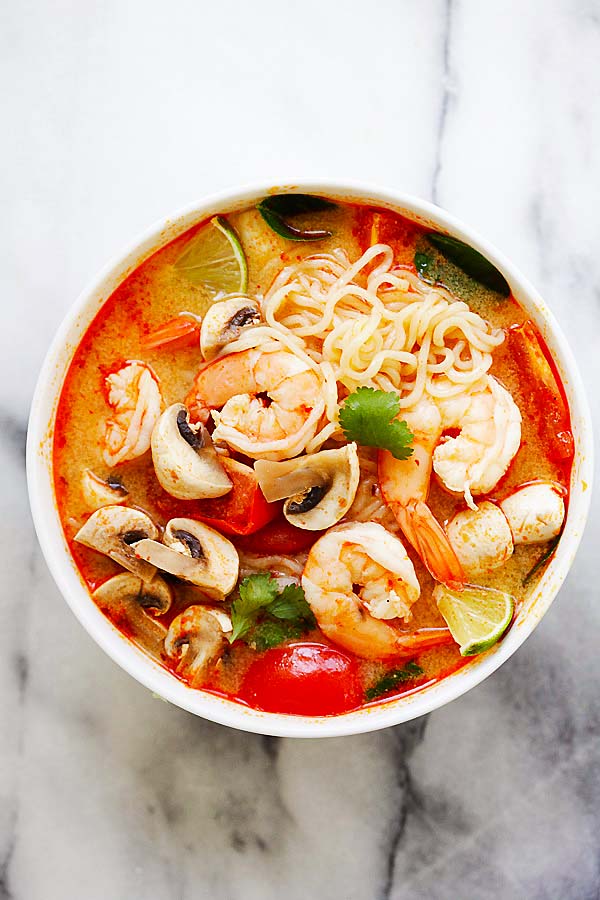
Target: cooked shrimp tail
[
  {"x": 183, "y": 329},
  {"x": 429, "y": 539},
  {"x": 422, "y": 639},
  {"x": 405, "y": 486}
]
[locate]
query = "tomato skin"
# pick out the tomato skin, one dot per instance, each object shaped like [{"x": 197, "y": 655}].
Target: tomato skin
[
  {"x": 243, "y": 510},
  {"x": 550, "y": 408},
  {"x": 303, "y": 679},
  {"x": 375, "y": 225},
  {"x": 278, "y": 536}
]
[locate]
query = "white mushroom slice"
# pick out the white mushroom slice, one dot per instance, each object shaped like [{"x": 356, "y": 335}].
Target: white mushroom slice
[
  {"x": 224, "y": 321},
  {"x": 320, "y": 488},
  {"x": 535, "y": 512},
  {"x": 98, "y": 493},
  {"x": 480, "y": 538},
  {"x": 113, "y": 530},
  {"x": 197, "y": 639},
  {"x": 196, "y": 553},
  {"x": 185, "y": 461},
  {"x": 133, "y": 603}
]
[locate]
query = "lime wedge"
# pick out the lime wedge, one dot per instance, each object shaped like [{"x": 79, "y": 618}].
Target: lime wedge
[
  {"x": 214, "y": 258},
  {"x": 476, "y": 616}
]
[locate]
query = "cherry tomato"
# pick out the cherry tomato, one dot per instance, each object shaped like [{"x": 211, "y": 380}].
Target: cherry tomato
[
  {"x": 304, "y": 679},
  {"x": 278, "y": 537}
]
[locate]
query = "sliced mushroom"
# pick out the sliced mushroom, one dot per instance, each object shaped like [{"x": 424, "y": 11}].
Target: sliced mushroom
[
  {"x": 98, "y": 493},
  {"x": 480, "y": 538},
  {"x": 113, "y": 530},
  {"x": 223, "y": 322},
  {"x": 319, "y": 488},
  {"x": 185, "y": 461},
  {"x": 196, "y": 553},
  {"x": 535, "y": 512},
  {"x": 131, "y": 603},
  {"x": 197, "y": 639}
]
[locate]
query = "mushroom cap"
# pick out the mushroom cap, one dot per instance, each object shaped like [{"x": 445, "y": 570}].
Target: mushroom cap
[
  {"x": 319, "y": 488},
  {"x": 224, "y": 321},
  {"x": 535, "y": 512},
  {"x": 480, "y": 538},
  {"x": 98, "y": 493},
  {"x": 131, "y": 603},
  {"x": 113, "y": 530},
  {"x": 197, "y": 639},
  {"x": 185, "y": 461},
  {"x": 196, "y": 553}
]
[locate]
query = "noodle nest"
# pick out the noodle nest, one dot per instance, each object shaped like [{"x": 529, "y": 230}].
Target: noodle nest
[{"x": 373, "y": 324}]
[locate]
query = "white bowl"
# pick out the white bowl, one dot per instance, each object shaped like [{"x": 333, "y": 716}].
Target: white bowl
[{"x": 150, "y": 673}]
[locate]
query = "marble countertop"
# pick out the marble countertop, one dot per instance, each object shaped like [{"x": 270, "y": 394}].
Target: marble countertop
[{"x": 117, "y": 113}]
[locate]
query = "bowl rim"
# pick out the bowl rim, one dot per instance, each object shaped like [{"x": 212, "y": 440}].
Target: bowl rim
[{"x": 150, "y": 673}]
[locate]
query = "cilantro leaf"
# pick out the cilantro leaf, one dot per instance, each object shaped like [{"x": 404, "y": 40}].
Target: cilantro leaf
[
  {"x": 255, "y": 592},
  {"x": 392, "y": 678},
  {"x": 368, "y": 417},
  {"x": 258, "y": 590},
  {"x": 291, "y": 604},
  {"x": 272, "y": 632},
  {"x": 264, "y": 616}
]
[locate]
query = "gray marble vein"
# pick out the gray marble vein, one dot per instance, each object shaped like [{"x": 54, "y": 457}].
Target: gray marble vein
[{"x": 116, "y": 114}]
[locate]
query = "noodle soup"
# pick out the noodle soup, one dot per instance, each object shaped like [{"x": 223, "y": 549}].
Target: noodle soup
[{"x": 312, "y": 456}]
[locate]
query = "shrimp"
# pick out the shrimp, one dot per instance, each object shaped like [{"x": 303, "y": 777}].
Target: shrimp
[
  {"x": 356, "y": 576},
  {"x": 404, "y": 487},
  {"x": 472, "y": 462},
  {"x": 475, "y": 460},
  {"x": 270, "y": 402},
  {"x": 135, "y": 397}
]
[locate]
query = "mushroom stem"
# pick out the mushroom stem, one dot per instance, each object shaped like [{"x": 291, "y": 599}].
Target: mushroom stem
[
  {"x": 196, "y": 640},
  {"x": 113, "y": 530}
]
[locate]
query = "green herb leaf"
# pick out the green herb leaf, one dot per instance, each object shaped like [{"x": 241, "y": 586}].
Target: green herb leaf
[
  {"x": 272, "y": 632},
  {"x": 276, "y": 211},
  {"x": 369, "y": 417},
  {"x": 424, "y": 263},
  {"x": 264, "y": 616},
  {"x": 392, "y": 678},
  {"x": 471, "y": 261},
  {"x": 442, "y": 259},
  {"x": 290, "y": 205},
  {"x": 255, "y": 592},
  {"x": 552, "y": 545},
  {"x": 291, "y": 604}
]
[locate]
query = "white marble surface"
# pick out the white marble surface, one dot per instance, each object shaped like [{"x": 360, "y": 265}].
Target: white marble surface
[{"x": 116, "y": 113}]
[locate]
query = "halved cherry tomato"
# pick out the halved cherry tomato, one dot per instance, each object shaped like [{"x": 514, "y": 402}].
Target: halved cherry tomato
[
  {"x": 303, "y": 679},
  {"x": 182, "y": 330},
  {"x": 243, "y": 510},
  {"x": 279, "y": 536}
]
